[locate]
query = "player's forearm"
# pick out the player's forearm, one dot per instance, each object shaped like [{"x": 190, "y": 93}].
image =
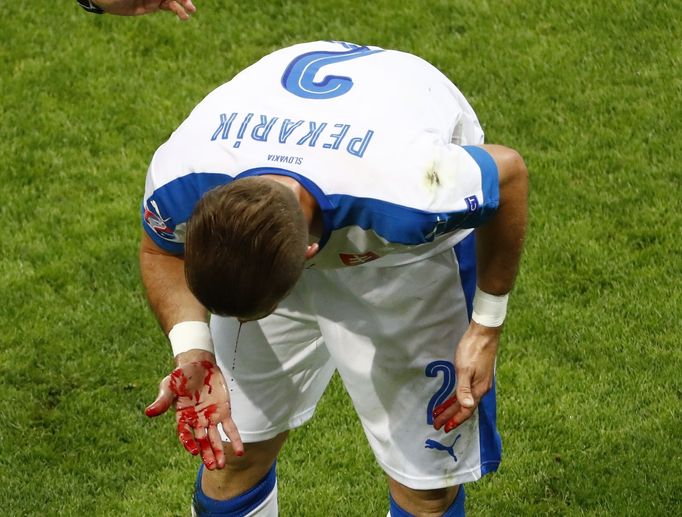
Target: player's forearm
[
  {"x": 500, "y": 241},
  {"x": 125, "y": 7},
  {"x": 183, "y": 9},
  {"x": 163, "y": 277}
]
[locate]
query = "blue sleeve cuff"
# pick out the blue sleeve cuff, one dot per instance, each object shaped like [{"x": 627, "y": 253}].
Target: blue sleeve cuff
[{"x": 490, "y": 184}]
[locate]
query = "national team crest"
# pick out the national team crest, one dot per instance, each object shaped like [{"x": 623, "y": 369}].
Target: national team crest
[
  {"x": 355, "y": 259},
  {"x": 157, "y": 222}
]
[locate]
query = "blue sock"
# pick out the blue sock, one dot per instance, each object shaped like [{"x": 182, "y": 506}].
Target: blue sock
[
  {"x": 456, "y": 508},
  {"x": 238, "y": 506}
]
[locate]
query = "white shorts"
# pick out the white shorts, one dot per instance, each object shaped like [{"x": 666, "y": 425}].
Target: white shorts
[{"x": 391, "y": 333}]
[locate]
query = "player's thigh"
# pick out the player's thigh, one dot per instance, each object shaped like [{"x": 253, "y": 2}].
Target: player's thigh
[
  {"x": 276, "y": 368},
  {"x": 393, "y": 333}
]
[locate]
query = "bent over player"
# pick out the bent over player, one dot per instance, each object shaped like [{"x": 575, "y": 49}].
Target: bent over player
[{"x": 321, "y": 206}]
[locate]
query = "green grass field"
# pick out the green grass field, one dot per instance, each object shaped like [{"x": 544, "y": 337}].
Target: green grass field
[{"x": 590, "y": 368}]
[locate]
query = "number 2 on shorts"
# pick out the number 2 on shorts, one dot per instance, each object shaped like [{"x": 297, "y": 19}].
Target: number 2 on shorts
[{"x": 432, "y": 370}]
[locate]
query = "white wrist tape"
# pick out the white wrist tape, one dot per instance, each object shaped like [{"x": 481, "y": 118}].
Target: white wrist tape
[
  {"x": 190, "y": 335},
  {"x": 489, "y": 310}
]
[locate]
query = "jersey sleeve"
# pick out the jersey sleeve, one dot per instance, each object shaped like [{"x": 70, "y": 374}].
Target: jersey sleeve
[
  {"x": 470, "y": 192},
  {"x": 489, "y": 185},
  {"x": 169, "y": 201},
  {"x": 164, "y": 219},
  {"x": 463, "y": 193}
]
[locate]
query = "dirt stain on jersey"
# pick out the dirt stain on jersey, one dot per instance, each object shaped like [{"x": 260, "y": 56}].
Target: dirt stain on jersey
[{"x": 432, "y": 178}]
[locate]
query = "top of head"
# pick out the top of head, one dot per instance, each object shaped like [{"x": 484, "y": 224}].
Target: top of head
[{"x": 245, "y": 247}]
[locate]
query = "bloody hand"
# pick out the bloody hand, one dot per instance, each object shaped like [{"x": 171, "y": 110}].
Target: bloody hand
[
  {"x": 201, "y": 399},
  {"x": 475, "y": 372}
]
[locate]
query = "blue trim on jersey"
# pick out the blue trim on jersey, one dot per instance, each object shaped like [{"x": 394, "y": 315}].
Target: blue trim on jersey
[
  {"x": 172, "y": 204},
  {"x": 400, "y": 224},
  {"x": 490, "y": 443},
  {"x": 322, "y": 200},
  {"x": 311, "y": 187},
  {"x": 456, "y": 509},
  {"x": 396, "y": 223},
  {"x": 239, "y": 506},
  {"x": 409, "y": 226},
  {"x": 490, "y": 180}
]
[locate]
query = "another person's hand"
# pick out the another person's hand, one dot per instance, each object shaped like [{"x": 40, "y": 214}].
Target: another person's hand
[
  {"x": 183, "y": 9},
  {"x": 475, "y": 371},
  {"x": 201, "y": 399}
]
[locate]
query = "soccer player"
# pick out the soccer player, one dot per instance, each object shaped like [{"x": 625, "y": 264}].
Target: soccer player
[
  {"x": 321, "y": 207},
  {"x": 183, "y": 9}
]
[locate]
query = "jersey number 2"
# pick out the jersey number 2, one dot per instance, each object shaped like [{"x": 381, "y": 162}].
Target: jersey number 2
[{"x": 299, "y": 77}]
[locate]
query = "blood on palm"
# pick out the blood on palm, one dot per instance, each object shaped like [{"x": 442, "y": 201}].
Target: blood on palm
[
  {"x": 179, "y": 381},
  {"x": 189, "y": 418},
  {"x": 208, "y": 366}
]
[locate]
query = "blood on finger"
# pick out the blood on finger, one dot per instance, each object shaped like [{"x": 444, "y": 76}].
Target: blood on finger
[
  {"x": 187, "y": 439},
  {"x": 205, "y": 445},
  {"x": 442, "y": 407},
  {"x": 452, "y": 423}
]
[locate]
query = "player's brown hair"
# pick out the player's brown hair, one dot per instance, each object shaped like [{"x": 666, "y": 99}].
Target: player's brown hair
[{"x": 245, "y": 247}]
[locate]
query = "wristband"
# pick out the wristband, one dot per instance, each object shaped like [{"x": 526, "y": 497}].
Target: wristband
[
  {"x": 190, "y": 335},
  {"x": 90, "y": 6},
  {"x": 489, "y": 310}
]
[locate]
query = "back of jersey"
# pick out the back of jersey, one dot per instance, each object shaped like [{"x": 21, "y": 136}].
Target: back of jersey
[
  {"x": 346, "y": 120},
  {"x": 324, "y": 105}
]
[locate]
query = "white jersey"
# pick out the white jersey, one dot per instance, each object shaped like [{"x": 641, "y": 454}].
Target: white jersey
[{"x": 379, "y": 137}]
